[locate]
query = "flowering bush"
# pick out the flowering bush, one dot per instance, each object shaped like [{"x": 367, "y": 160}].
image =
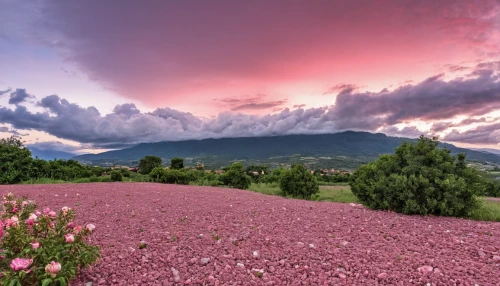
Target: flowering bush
[{"x": 42, "y": 248}]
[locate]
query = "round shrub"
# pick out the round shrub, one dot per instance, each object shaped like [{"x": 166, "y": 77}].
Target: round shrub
[
  {"x": 235, "y": 177},
  {"x": 125, "y": 172},
  {"x": 176, "y": 177},
  {"x": 298, "y": 182},
  {"x": 158, "y": 175},
  {"x": 42, "y": 247},
  {"x": 116, "y": 176},
  {"x": 419, "y": 179}
]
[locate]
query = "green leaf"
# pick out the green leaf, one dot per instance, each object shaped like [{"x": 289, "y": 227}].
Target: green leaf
[
  {"x": 62, "y": 281},
  {"x": 46, "y": 281}
]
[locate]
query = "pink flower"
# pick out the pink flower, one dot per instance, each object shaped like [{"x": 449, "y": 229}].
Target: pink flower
[
  {"x": 33, "y": 216},
  {"x": 90, "y": 227},
  {"x": 30, "y": 222},
  {"x": 38, "y": 213},
  {"x": 53, "y": 268},
  {"x": 14, "y": 210},
  {"x": 18, "y": 264},
  {"x": 65, "y": 210},
  {"x": 52, "y": 214},
  {"x": 35, "y": 244},
  {"x": 25, "y": 203},
  {"x": 46, "y": 210},
  {"x": 69, "y": 238},
  {"x": 71, "y": 225},
  {"x": 77, "y": 229}
]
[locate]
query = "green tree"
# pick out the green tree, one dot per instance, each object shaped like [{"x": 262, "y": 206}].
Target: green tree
[
  {"x": 148, "y": 163},
  {"x": 15, "y": 161},
  {"x": 125, "y": 172},
  {"x": 419, "y": 179},
  {"x": 177, "y": 163},
  {"x": 116, "y": 176},
  {"x": 298, "y": 182},
  {"x": 235, "y": 177},
  {"x": 158, "y": 175}
]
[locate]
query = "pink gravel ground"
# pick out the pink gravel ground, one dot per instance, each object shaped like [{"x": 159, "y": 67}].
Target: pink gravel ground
[{"x": 266, "y": 240}]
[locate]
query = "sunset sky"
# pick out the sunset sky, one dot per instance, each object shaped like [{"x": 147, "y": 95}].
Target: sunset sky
[{"x": 88, "y": 76}]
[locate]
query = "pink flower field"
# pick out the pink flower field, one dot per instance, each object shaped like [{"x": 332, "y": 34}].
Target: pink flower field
[{"x": 156, "y": 234}]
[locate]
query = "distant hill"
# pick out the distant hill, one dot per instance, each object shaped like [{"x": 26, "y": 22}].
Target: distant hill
[
  {"x": 326, "y": 150},
  {"x": 50, "y": 154},
  {"x": 487, "y": 150}
]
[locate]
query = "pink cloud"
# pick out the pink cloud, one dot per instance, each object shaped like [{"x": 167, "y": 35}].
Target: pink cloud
[{"x": 178, "y": 52}]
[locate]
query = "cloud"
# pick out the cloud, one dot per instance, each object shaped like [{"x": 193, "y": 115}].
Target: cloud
[
  {"x": 12, "y": 131},
  {"x": 55, "y": 145},
  {"x": 342, "y": 88},
  {"x": 19, "y": 96},
  {"x": 299, "y": 106},
  {"x": 485, "y": 134},
  {"x": 430, "y": 100},
  {"x": 257, "y": 102},
  {"x": 3, "y": 92},
  {"x": 433, "y": 100},
  {"x": 187, "y": 42}
]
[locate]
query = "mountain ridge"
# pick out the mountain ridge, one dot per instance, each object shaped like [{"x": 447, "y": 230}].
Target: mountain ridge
[{"x": 364, "y": 146}]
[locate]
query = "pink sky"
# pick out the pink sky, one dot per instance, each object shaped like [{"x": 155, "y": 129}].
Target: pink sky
[{"x": 249, "y": 58}]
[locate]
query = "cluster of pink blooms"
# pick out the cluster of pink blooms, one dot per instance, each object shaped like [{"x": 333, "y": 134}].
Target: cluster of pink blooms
[{"x": 19, "y": 264}]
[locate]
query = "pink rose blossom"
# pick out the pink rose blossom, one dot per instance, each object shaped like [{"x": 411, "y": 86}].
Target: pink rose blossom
[
  {"x": 90, "y": 227},
  {"x": 14, "y": 210},
  {"x": 52, "y": 214},
  {"x": 38, "y": 213},
  {"x": 25, "y": 203},
  {"x": 77, "y": 229},
  {"x": 53, "y": 268},
  {"x": 33, "y": 216},
  {"x": 65, "y": 210},
  {"x": 18, "y": 264},
  {"x": 69, "y": 238},
  {"x": 46, "y": 210},
  {"x": 35, "y": 245},
  {"x": 71, "y": 224},
  {"x": 30, "y": 222}
]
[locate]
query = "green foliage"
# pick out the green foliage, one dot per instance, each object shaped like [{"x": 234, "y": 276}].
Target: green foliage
[
  {"x": 177, "y": 163},
  {"x": 176, "y": 177},
  {"x": 161, "y": 175},
  {"x": 419, "y": 179},
  {"x": 148, "y": 163},
  {"x": 15, "y": 161},
  {"x": 116, "y": 176},
  {"x": 125, "y": 172},
  {"x": 52, "y": 246},
  {"x": 298, "y": 182},
  {"x": 235, "y": 177}
]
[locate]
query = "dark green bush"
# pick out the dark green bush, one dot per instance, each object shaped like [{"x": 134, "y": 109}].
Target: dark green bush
[
  {"x": 419, "y": 179},
  {"x": 161, "y": 175},
  {"x": 15, "y": 161},
  {"x": 125, "y": 172},
  {"x": 158, "y": 174},
  {"x": 235, "y": 177},
  {"x": 176, "y": 177},
  {"x": 148, "y": 163},
  {"x": 116, "y": 176},
  {"x": 177, "y": 163},
  {"x": 298, "y": 182}
]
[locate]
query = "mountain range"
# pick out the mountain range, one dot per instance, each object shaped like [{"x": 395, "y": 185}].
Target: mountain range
[
  {"x": 50, "y": 154},
  {"x": 345, "y": 150}
]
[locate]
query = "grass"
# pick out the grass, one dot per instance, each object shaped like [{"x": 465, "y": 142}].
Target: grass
[
  {"x": 331, "y": 193},
  {"x": 489, "y": 211}
]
